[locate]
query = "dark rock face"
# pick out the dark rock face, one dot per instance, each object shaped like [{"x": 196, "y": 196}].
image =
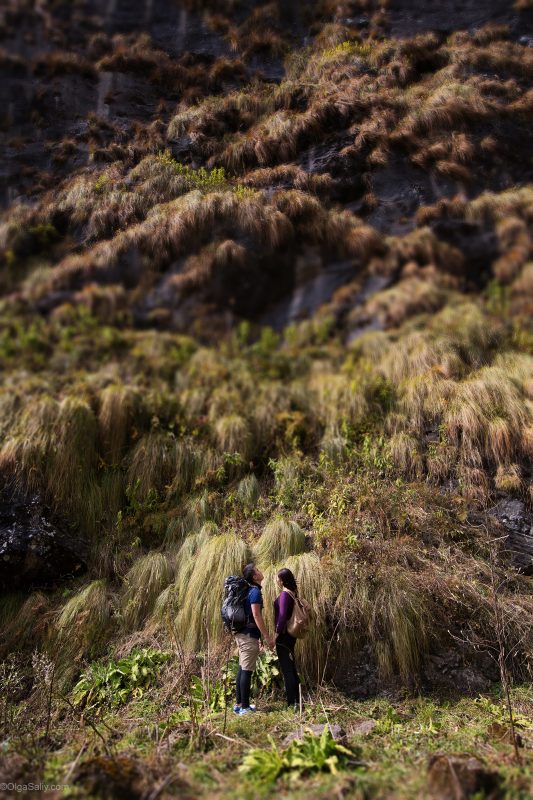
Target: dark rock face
[
  {"x": 449, "y": 671},
  {"x": 39, "y": 108},
  {"x": 33, "y": 552},
  {"x": 408, "y": 17},
  {"x": 518, "y": 524},
  {"x": 97, "y": 83}
]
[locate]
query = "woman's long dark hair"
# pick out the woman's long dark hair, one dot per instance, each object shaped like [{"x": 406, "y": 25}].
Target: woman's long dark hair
[
  {"x": 248, "y": 574},
  {"x": 288, "y": 580}
]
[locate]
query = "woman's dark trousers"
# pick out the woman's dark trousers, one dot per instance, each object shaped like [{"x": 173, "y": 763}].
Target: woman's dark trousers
[{"x": 285, "y": 650}]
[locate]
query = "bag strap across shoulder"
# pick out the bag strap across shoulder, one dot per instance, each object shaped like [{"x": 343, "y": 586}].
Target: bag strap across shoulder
[{"x": 289, "y": 592}]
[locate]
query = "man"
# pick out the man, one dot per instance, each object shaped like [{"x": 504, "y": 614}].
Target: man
[{"x": 248, "y": 639}]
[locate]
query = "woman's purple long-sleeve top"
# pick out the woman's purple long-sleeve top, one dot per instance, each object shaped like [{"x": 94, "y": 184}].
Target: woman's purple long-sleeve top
[{"x": 283, "y": 606}]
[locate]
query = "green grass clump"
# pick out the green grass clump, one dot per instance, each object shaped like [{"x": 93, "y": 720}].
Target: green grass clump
[
  {"x": 345, "y": 50},
  {"x": 54, "y": 449},
  {"x": 171, "y": 599},
  {"x": 234, "y": 435},
  {"x": 118, "y": 408},
  {"x": 248, "y": 492},
  {"x": 152, "y": 464}
]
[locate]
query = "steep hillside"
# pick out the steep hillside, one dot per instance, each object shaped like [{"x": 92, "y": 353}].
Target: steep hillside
[{"x": 266, "y": 293}]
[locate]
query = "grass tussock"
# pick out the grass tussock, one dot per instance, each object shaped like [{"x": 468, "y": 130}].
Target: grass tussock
[
  {"x": 280, "y": 540},
  {"x": 143, "y": 584},
  {"x": 53, "y": 449},
  {"x": 82, "y": 627},
  {"x": 25, "y": 621},
  {"x": 234, "y": 436},
  {"x": 118, "y": 408},
  {"x": 191, "y": 461},
  {"x": 248, "y": 492},
  {"x": 198, "y": 620},
  {"x": 487, "y": 416},
  {"x": 152, "y": 464}
]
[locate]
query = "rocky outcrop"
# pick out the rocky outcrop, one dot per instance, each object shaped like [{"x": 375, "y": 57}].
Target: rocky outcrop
[
  {"x": 34, "y": 552},
  {"x": 517, "y": 522},
  {"x": 448, "y": 670}
]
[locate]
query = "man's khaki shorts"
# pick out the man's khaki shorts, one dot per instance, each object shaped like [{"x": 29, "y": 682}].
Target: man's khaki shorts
[{"x": 248, "y": 651}]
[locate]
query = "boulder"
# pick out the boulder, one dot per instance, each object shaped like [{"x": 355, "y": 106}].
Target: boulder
[
  {"x": 454, "y": 777},
  {"x": 338, "y": 733},
  {"x": 34, "y": 551},
  {"x": 502, "y": 732},
  {"x": 363, "y": 727},
  {"x": 118, "y": 777}
]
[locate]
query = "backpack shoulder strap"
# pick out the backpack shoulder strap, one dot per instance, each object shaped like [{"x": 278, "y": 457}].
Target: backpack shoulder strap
[{"x": 289, "y": 592}]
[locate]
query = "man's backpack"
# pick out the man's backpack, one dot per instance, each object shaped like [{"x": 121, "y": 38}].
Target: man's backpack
[
  {"x": 300, "y": 620},
  {"x": 233, "y": 612}
]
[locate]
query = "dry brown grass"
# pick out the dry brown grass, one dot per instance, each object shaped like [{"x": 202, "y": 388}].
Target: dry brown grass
[
  {"x": 405, "y": 451},
  {"x": 487, "y": 416},
  {"x": 63, "y": 63},
  {"x": 119, "y": 406},
  {"x": 508, "y": 479},
  {"x": 152, "y": 464},
  {"x": 25, "y": 623}
]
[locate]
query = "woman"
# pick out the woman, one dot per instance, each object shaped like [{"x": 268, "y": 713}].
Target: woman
[
  {"x": 283, "y": 607},
  {"x": 248, "y": 639}
]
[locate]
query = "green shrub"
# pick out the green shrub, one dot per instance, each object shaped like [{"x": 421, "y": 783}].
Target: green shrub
[
  {"x": 116, "y": 682},
  {"x": 203, "y": 179}
]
